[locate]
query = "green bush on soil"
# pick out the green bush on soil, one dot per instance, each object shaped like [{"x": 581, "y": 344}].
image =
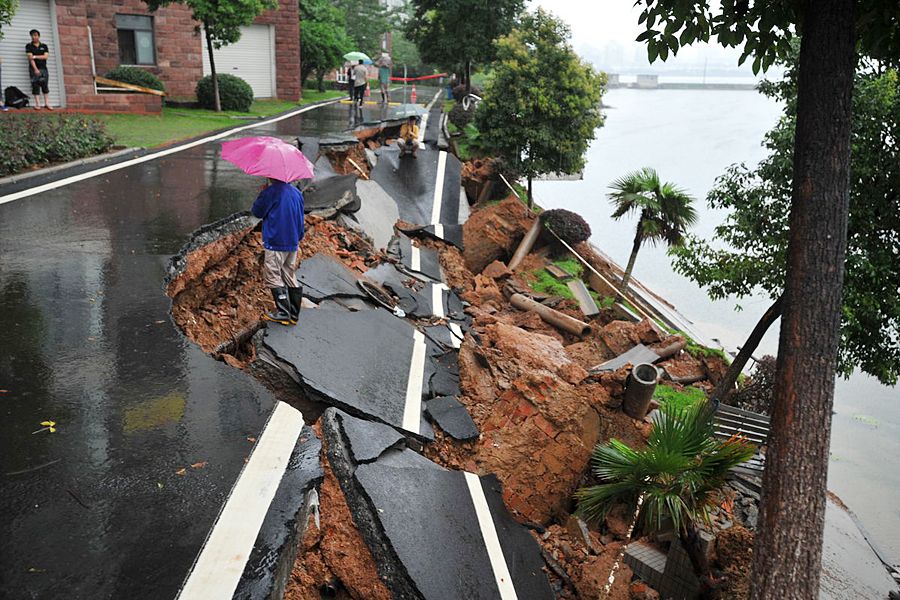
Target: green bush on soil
[
  {"x": 28, "y": 140},
  {"x": 234, "y": 93},
  {"x": 569, "y": 226},
  {"x": 136, "y": 76},
  {"x": 545, "y": 283},
  {"x": 673, "y": 398}
]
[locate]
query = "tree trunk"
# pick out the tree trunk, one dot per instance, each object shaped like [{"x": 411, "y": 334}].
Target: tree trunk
[
  {"x": 320, "y": 80},
  {"x": 468, "y": 76},
  {"x": 726, "y": 384},
  {"x": 690, "y": 540},
  {"x": 787, "y": 557},
  {"x": 530, "y": 196},
  {"x": 212, "y": 68},
  {"x": 638, "y": 239}
]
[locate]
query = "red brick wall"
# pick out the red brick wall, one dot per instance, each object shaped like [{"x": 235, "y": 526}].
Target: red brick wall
[{"x": 179, "y": 46}]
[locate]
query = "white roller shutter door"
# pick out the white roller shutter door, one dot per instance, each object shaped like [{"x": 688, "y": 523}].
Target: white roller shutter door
[
  {"x": 32, "y": 14},
  {"x": 251, "y": 58}
]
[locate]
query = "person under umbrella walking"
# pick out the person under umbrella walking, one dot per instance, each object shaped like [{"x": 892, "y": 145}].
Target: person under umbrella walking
[{"x": 360, "y": 81}]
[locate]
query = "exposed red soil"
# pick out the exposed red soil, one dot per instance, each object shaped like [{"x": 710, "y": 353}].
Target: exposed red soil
[
  {"x": 340, "y": 160},
  {"x": 221, "y": 292},
  {"x": 334, "y": 555},
  {"x": 734, "y": 552},
  {"x": 494, "y": 232},
  {"x": 476, "y": 175}
]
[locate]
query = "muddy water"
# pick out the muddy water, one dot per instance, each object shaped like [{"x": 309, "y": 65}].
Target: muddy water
[{"x": 690, "y": 137}]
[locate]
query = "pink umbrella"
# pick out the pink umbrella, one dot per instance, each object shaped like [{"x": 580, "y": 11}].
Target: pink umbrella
[{"x": 268, "y": 157}]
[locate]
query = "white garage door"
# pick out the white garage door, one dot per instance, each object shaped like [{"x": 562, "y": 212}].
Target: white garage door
[
  {"x": 251, "y": 58},
  {"x": 32, "y": 14}
]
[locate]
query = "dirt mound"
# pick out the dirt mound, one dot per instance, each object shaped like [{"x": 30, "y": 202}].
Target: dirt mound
[
  {"x": 493, "y": 233},
  {"x": 334, "y": 561},
  {"x": 734, "y": 551},
  {"x": 478, "y": 177}
]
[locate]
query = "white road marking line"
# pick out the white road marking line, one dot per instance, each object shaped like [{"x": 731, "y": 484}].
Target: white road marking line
[
  {"x": 439, "y": 230},
  {"x": 437, "y": 300},
  {"x": 412, "y": 410},
  {"x": 415, "y": 258},
  {"x": 439, "y": 188},
  {"x": 491, "y": 541},
  {"x": 458, "y": 335},
  {"x": 218, "y": 568},
  {"x": 424, "y": 123},
  {"x": 135, "y": 161}
]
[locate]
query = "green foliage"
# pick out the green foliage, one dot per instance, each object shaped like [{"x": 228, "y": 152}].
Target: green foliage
[
  {"x": 459, "y": 91},
  {"x": 747, "y": 253},
  {"x": 570, "y": 265},
  {"x": 678, "y": 473},
  {"x": 366, "y": 22},
  {"x": 7, "y": 10},
  {"x": 542, "y": 103},
  {"x": 678, "y": 399},
  {"x": 569, "y": 226},
  {"x": 406, "y": 52},
  {"x": 323, "y": 39},
  {"x": 764, "y": 30},
  {"x": 136, "y": 76},
  {"x": 234, "y": 92},
  {"x": 27, "y": 140},
  {"x": 665, "y": 210},
  {"x": 545, "y": 283},
  {"x": 456, "y": 33},
  {"x": 461, "y": 117}
]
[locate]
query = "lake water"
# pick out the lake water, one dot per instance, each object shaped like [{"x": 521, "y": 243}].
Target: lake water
[{"x": 690, "y": 137}]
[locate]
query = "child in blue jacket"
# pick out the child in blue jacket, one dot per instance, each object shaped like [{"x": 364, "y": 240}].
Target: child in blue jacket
[{"x": 280, "y": 206}]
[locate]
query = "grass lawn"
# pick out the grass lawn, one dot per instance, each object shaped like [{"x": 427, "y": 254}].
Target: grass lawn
[{"x": 147, "y": 131}]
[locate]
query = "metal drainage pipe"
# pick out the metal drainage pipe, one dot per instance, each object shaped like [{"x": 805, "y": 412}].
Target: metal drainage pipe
[
  {"x": 639, "y": 390},
  {"x": 554, "y": 317}
]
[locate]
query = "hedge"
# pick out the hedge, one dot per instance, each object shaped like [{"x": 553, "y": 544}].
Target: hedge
[
  {"x": 136, "y": 76},
  {"x": 234, "y": 93},
  {"x": 41, "y": 139}
]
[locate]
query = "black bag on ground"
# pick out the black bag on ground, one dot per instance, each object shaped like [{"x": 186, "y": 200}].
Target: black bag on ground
[{"x": 14, "y": 98}]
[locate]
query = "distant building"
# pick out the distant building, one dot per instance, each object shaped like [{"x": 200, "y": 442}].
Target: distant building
[{"x": 648, "y": 82}]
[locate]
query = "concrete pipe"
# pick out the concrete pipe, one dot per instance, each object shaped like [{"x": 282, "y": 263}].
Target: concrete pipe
[
  {"x": 525, "y": 245},
  {"x": 554, "y": 317},
  {"x": 639, "y": 390}
]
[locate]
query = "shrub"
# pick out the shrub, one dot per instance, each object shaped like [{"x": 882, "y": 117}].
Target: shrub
[
  {"x": 673, "y": 398},
  {"x": 136, "y": 76},
  {"x": 756, "y": 392},
  {"x": 460, "y": 116},
  {"x": 27, "y": 140},
  {"x": 567, "y": 225},
  {"x": 459, "y": 92},
  {"x": 234, "y": 92}
]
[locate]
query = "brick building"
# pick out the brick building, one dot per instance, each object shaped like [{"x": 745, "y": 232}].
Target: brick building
[{"x": 95, "y": 37}]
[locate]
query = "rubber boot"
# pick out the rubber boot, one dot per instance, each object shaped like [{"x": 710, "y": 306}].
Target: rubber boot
[
  {"x": 295, "y": 294},
  {"x": 282, "y": 312}
]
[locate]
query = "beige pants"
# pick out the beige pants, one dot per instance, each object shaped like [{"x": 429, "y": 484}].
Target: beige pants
[{"x": 280, "y": 268}]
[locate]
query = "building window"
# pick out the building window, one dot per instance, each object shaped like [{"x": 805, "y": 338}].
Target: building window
[{"x": 136, "y": 45}]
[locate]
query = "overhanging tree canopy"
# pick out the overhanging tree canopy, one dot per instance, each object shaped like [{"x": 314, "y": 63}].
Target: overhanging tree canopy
[
  {"x": 323, "y": 39},
  {"x": 7, "y": 10}
]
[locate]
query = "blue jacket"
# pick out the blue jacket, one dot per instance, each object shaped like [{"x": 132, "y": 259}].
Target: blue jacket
[{"x": 280, "y": 206}]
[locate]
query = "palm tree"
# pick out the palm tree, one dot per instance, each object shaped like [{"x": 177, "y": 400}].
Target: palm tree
[
  {"x": 677, "y": 474},
  {"x": 665, "y": 210}
]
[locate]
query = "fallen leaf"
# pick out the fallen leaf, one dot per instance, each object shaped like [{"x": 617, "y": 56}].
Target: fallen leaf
[
  {"x": 198, "y": 465},
  {"x": 159, "y": 484},
  {"x": 48, "y": 423},
  {"x": 52, "y": 429},
  {"x": 251, "y": 439},
  {"x": 181, "y": 471},
  {"x": 161, "y": 321}
]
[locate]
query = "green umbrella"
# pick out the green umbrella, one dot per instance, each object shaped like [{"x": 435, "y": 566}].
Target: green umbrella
[{"x": 358, "y": 56}]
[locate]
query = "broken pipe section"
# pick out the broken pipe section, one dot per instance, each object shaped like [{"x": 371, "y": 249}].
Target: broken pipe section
[
  {"x": 554, "y": 317},
  {"x": 639, "y": 390}
]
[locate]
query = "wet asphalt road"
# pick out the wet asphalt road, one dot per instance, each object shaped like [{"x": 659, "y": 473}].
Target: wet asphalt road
[{"x": 98, "y": 508}]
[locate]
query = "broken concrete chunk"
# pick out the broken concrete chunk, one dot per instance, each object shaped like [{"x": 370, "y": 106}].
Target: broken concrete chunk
[
  {"x": 452, "y": 417},
  {"x": 323, "y": 276},
  {"x": 635, "y": 356},
  {"x": 326, "y": 197},
  {"x": 377, "y": 212},
  {"x": 496, "y": 270},
  {"x": 367, "y": 440}
]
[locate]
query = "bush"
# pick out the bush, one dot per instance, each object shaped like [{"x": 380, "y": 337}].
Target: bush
[
  {"x": 567, "y": 225},
  {"x": 136, "y": 76},
  {"x": 27, "y": 140},
  {"x": 756, "y": 393},
  {"x": 460, "y": 116},
  {"x": 234, "y": 92},
  {"x": 459, "y": 92}
]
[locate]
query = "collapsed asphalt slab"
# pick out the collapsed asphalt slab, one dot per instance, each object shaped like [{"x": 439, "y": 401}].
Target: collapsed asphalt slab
[
  {"x": 325, "y": 277},
  {"x": 434, "y": 533},
  {"x": 368, "y": 362},
  {"x": 424, "y": 261}
]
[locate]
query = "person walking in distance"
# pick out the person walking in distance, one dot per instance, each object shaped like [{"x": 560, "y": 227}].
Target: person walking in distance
[
  {"x": 350, "y": 85},
  {"x": 38, "y": 53},
  {"x": 280, "y": 206},
  {"x": 360, "y": 80},
  {"x": 384, "y": 76}
]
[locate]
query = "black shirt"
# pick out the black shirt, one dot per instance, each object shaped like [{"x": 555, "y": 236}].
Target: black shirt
[{"x": 38, "y": 50}]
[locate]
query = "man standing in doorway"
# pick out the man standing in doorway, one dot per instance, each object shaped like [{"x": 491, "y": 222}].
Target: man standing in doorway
[
  {"x": 360, "y": 80},
  {"x": 38, "y": 53}
]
